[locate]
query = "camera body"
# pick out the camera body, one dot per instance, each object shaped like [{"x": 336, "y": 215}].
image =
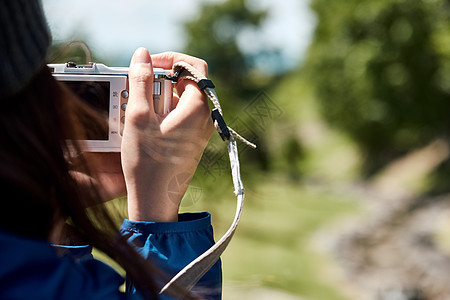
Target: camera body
[{"x": 106, "y": 90}]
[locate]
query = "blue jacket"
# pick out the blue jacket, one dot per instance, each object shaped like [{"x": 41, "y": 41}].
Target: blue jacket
[{"x": 32, "y": 269}]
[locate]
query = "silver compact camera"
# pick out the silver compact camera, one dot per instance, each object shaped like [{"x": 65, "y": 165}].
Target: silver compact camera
[{"x": 106, "y": 90}]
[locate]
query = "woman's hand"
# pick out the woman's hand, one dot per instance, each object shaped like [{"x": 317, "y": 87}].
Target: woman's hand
[
  {"x": 105, "y": 172},
  {"x": 160, "y": 153}
]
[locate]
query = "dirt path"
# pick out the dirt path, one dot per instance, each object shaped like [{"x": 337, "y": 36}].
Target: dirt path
[
  {"x": 399, "y": 256},
  {"x": 391, "y": 252}
]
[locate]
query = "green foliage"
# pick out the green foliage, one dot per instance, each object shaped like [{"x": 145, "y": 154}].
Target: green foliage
[{"x": 381, "y": 71}]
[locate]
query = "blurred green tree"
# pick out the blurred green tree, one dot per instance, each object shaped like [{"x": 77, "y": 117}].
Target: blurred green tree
[
  {"x": 381, "y": 70},
  {"x": 213, "y": 36}
]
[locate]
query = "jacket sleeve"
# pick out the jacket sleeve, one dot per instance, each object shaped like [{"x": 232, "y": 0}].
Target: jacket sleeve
[{"x": 171, "y": 246}]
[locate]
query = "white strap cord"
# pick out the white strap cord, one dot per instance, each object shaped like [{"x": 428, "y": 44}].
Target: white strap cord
[{"x": 186, "y": 279}]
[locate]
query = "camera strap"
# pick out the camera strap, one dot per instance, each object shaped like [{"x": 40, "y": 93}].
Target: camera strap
[{"x": 186, "y": 279}]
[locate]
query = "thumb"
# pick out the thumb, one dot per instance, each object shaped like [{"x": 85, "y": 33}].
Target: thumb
[{"x": 140, "y": 102}]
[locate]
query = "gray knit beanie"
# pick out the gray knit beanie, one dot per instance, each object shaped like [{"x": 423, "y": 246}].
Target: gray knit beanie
[{"x": 24, "y": 42}]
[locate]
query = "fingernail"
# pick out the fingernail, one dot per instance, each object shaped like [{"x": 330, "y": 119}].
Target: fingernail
[{"x": 141, "y": 55}]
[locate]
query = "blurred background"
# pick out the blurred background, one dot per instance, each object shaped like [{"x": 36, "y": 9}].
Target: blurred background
[{"x": 348, "y": 101}]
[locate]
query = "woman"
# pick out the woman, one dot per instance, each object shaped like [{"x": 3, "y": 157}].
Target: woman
[{"x": 48, "y": 187}]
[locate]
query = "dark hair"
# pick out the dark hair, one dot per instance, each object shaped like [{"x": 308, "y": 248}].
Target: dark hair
[{"x": 35, "y": 173}]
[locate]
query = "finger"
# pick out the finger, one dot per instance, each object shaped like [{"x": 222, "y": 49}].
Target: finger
[
  {"x": 193, "y": 99},
  {"x": 167, "y": 59},
  {"x": 140, "y": 102},
  {"x": 190, "y": 96}
]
